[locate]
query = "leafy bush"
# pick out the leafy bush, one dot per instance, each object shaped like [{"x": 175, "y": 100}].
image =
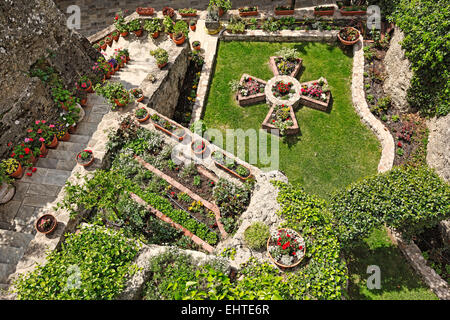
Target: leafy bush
[
  {"x": 103, "y": 259},
  {"x": 256, "y": 235},
  {"x": 405, "y": 198},
  {"x": 426, "y": 27}
]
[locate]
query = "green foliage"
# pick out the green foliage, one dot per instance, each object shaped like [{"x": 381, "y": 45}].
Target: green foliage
[
  {"x": 231, "y": 198},
  {"x": 256, "y": 235},
  {"x": 152, "y": 25},
  {"x": 407, "y": 199},
  {"x": 427, "y": 37},
  {"x": 103, "y": 258}
]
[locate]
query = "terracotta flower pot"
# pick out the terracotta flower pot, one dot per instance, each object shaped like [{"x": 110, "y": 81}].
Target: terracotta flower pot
[
  {"x": 85, "y": 164},
  {"x": 73, "y": 129},
  {"x": 144, "y": 119},
  {"x": 324, "y": 12},
  {"x": 18, "y": 173},
  {"x": 103, "y": 47},
  {"x": 124, "y": 34},
  {"x": 194, "y": 27},
  {"x": 108, "y": 75},
  {"x": 197, "y": 48},
  {"x": 7, "y": 192},
  {"x": 43, "y": 150},
  {"x": 249, "y": 13},
  {"x": 284, "y": 12},
  {"x": 138, "y": 33},
  {"x": 196, "y": 151},
  {"x": 145, "y": 11},
  {"x": 116, "y": 101},
  {"x": 349, "y": 43},
  {"x": 352, "y": 13},
  {"x": 162, "y": 65},
  {"x": 221, "y": 12},
  {"x": 180, "y": 40},
  {"x": 83, "y": 102},
  {"x": 53, "y": 144},
  {"x": 50, "y": 229},
  {"x": 140, "y": 99},
  {"x": 66, "y": 137},
  {"x": 279, "y": 264},
  {"x": 155, "y": 34}
]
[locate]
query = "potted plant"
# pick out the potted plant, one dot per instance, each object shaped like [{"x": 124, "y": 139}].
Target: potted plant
[
  {"x": 7, "y": 190},
  {"x": 96, "y": 46},
  {"x": 61, "y": 96},
  {"x": 231, "y": 166},
  {"x": 188, "y": 12},
  {"x": 284, "y": 10},
  {"x": 180, "y": 31},
  {"x": 109, "y": 41},
  {"x": 61, "y": 131},
  {"x": 45, "y": 133},
  {"x": 348, "y": 36},
  {"x": 120, "y": 24},
  {"x": 286, "y": 248},
  {"x": 13, "y": 168},
  {"x": 169, "y": 25},
  {"x": 168, "y": 127},
  {"x": 46, "y": 224},
  {"x": 137, "y": 94},
  {"x": 103, "y": 44},
  {"x": 168, "y": 11},
  {"x": 136, "y": 27},
  {"x": 122, "y": 99},
  {"x": 114, "y": 92},
  {"x": 248, "y": 11},
  {"x": 85, "y": 84},
  {"x": 161, "y": 56},
  {"x": 193, "y": 25},
  {"x": 354, "y": 10},
  {"x": 222, "y": 5},
  {"x": 115, "y": 35},
  {"x": 145, "y": 11},
  {"x": 198, "y": 146},
  {"x": 24, "y": 154},
  {"x": 85, "y": 158},
  {"x": 142, "y": 114},
  {"x": 153, "y": 26},
  {"x": 196, "y": 45},
  {"x": 324, "y": 10}
]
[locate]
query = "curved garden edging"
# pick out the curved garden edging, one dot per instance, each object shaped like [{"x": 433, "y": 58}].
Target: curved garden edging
[{"x": 360, "y": 104}]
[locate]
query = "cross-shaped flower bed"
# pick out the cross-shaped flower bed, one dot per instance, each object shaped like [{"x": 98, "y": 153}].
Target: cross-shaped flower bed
[
  {"x": 316, "y": 94},
  {"x": 251, "y": 90}
]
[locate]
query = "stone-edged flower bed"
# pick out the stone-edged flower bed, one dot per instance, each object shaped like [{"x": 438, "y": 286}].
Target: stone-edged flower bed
[
  {"x": 316, "y": 94},
  {"x": 165, "y": 125},
  {"x": 251, "y": 90},
  {"x": 283, "y": 90},
  {"x": 286, "y": 248},
  {"x": 288, "y": 67},
  {"x": 281, "y": 118},
  {"x": 231, "y": 166}
]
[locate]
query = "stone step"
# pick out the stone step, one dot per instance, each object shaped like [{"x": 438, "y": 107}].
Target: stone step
[
  {"x": 10, "y": 255},
  {"x": 46, "y": 176},
  {"x": 51, "y": 163},
  {"x": 61, "y": 154},
  {"x": 77, "y": 138},
  {"x": 15, "y": 239},
  {"x": 71, "y": 146},
  {"x": 3, "y": 286},
  {"x": 47, "y": 163},
  {"x": 86, "y": 128},
  {"x": 5, "y": 270}
]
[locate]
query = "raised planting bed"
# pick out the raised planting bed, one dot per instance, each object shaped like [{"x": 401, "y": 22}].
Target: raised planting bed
[
  {"x": 251, "y": 90},
  {"x": 283, "y": 90},
  {"x": 284, "y": 10},
  {"x": 248, "y": 11},
  {"x": 286, "y": 248},
  {"x": 231, "y": 166},
  {"x": 324, "y": 11},
  {"x": 316, "y": 94},
  {"x": 285, "y": 67},
  {"x": 193, "y": 195},
  {"x": 281, "y": 118},
  {"x": 165, "y": 125}
]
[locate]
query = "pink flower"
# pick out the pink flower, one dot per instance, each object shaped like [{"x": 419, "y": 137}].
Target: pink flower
[
  {"x": 43, "y": 121},
  {"x": 41, "y": 139},
  {"x": 51, "y": 126},
  {"x": 37, "y": 122}
]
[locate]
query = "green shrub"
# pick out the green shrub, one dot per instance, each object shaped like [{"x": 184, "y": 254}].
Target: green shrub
[
  {"x": 256, "y": 235},
  {"x": 102, "y": 259},
  {"x": 405, "y": 198}
]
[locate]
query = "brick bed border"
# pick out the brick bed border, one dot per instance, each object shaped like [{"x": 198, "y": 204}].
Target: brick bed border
[
  {"x": 275, "y": 71},
  {"x": 294, "y": 129},
  {"x": 165, "y": 218},
  {"x": 211, "y": 206},
  {"x": 253, "y": 99}
]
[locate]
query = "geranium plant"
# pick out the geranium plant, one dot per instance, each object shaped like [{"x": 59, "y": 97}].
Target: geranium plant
[{"x": 286, "y": 247}]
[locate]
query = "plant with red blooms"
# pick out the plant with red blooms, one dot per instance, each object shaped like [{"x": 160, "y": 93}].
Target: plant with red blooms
[
  {"x": 250, "y": 87},
  {"x": 23, "y": 153},
  {"x": 286, "y": 247},
  {"x": 282, "y": 89}
]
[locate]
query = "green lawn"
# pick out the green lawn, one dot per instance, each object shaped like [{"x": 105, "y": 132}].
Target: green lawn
[
  {"x": 398, "y": 280},
  {"x": 333, "y": 149}
]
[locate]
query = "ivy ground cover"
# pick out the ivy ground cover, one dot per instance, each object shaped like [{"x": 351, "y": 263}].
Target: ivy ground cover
[{"x": 333, "y": 149}]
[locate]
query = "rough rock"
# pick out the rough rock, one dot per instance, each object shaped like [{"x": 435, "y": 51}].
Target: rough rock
[
  {"x": 398, "y": 73},
  {"x": 263, "y": 207},
  {"x": 30, "y": 30},
  {"x": 438, "y": 149}
]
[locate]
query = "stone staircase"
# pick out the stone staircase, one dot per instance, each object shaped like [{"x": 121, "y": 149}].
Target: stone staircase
[
  {"x": 13, "y": 245},
  {"x": 17, "y": 217}
]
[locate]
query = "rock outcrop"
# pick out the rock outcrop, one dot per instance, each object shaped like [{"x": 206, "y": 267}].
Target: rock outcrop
[
  {"x": 398, "y": 73},
  {"x": 31, "y": 30}
]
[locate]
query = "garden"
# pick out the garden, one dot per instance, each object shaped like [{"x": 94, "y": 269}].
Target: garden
[{"x": 335, "y": 216}]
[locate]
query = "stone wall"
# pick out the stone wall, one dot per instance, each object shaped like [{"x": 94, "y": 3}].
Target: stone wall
[
  {"x": 98, "y": 14},
  {"x": 28, "y": 30},
  {"x": 398, "y": 73}
]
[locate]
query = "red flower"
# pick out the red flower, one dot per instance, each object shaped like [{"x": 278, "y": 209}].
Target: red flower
[
  {"x": 21, "y": 156},
  {"x": 29, "y": 174},
  {"x": 399, "y": 144},
  {"x": 13, "y": 155},
  {"x": 33, "y": 170},
  {"x": 41, "y": 156},
  {"x": 27, "y": 150},
  {"x": 116, "y": 17}
]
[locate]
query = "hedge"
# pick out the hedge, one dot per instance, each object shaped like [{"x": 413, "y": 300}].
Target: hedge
[{"x": 405, "y": 198}]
